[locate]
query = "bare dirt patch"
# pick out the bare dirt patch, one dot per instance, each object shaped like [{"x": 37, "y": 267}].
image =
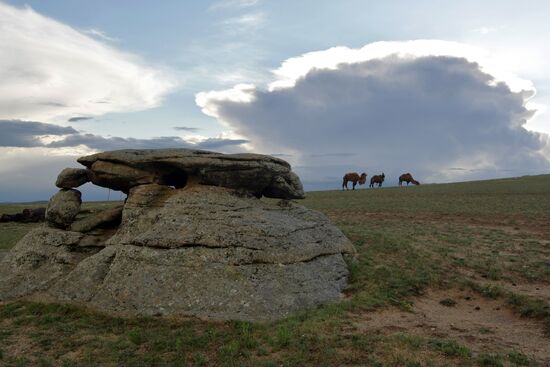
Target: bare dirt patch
[
  {"x": 484, "y": 325},
  {"x": 539, "y": 290}
]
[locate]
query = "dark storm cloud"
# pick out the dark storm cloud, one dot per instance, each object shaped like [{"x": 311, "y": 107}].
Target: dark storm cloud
[
  {"x": 393, "y": 115},
  {"x": 185, "y": 128},
  {"x": 79, "y": 118},
  {"x": 216, "y": 143},
  {"x": 113, "y": 143},
  {"x": 16, "y": 133}
]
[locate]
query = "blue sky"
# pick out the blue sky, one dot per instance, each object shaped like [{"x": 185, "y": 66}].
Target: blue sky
[{"x": 64, "y": 57}]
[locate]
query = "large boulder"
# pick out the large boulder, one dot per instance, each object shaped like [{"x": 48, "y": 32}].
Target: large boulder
[
  {"x": 194, "y": 237},
  {"x": 72, "y": 177},
  {"x": 204, "y": 251},
  {"x": 254, "y": 173},
  {"x": 63, "y": 208}
]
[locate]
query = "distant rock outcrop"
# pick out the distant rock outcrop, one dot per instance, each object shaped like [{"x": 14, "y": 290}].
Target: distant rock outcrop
[
  {"x": 192, "y": 238},
  {"x": 28, "y": 215}
]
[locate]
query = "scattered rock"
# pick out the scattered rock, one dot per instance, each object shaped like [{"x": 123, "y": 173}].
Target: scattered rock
[
  {"x": 63, "y": 208},
  {"x": 72, "y": 177},
  {"x": 29, "y": 215}
]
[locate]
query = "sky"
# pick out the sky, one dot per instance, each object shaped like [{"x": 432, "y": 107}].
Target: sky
[{"x": 449, "y": 91}]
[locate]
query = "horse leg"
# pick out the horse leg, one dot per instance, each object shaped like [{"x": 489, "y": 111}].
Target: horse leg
[{"x": 353, "y": 184}]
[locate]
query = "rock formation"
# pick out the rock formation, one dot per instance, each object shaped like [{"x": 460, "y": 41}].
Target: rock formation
[
  {"x": 254, "y": 173},
  {"x": 193, "y": 238}
]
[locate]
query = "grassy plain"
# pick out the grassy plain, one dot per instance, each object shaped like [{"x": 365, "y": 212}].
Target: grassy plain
[{"x": 446, "y": 275}]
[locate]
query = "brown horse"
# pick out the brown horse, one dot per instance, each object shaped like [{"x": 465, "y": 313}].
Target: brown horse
[
  {"x": 408, "y": 178},
  {"x": 377, "y": 179},
  {"x": 354, "y": 178}
]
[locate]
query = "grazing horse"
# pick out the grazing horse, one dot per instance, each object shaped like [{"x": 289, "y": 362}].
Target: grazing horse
[
  {"x": 377, "y": 179},
  {"x": 408, "y": 178},
  {"x": 354, "y": 178}
]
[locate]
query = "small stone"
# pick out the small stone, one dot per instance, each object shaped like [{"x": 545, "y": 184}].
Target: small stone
[
  {"x": 448, "y": 302},
  {"x": 477, "y": 308}
]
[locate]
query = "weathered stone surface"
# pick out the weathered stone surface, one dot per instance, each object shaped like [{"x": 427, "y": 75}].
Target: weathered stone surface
[
  {"x": 108, "y": 217},
  {"x": 214, "y": 217},
  {"x": 40, "y": 258},
  {"x": 127, "y": 279},
  {"x": 193, "y": 238},
  {"x": 255, "y": 173},
  {"x": 63, "y": 208},
  {"x": 72, "y": 177},
  {"x": 202, "y": 251}
]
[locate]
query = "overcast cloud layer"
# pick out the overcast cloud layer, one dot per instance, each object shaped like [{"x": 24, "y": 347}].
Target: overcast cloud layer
[
  {"x": 438, "y": 117},
  {"x": 51, "y": 71}
]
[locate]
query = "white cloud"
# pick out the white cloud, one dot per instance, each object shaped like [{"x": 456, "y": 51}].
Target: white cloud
[
  {"x": 421, "y": 106},
  {"x": 245, "y": 22},
  {"x": 297, "y": 67},
  {"x": 233, "y": 4},
  {"x": 484, "y": 30},
  {"x": 50, "y": 71},
  {"x": 100, "y": 34}
]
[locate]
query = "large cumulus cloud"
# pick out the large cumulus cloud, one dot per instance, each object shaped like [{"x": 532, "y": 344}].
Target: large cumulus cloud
[{"x": 425, "y": 114}]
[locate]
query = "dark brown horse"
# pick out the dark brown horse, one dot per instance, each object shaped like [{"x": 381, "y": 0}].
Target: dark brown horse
[
  {"x": 378, "y": 179},
  {"x": 408, "y": 178},
  {"x": 354, "y": 178}
]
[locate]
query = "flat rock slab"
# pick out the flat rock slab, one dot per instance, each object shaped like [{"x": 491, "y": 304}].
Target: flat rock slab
[
  {"x": 202, "y": 251},
  {"x": 257, "y": 174}
]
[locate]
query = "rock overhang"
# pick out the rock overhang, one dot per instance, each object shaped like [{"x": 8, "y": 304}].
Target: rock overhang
[{"x": 260, "y": 175}]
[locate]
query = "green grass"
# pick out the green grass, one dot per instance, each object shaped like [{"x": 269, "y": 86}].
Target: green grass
[{"x": 408, "y": 240}]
